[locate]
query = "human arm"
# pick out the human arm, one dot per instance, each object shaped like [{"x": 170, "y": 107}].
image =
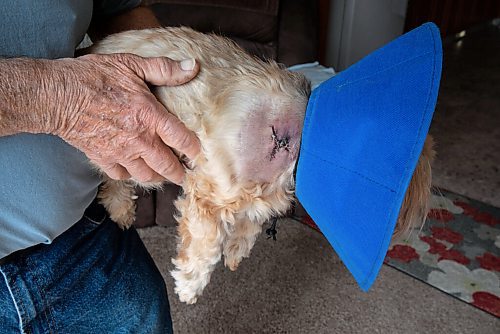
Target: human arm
[
  {"x": 65, "y": 97},
  {"x": 101, "y": 105}
]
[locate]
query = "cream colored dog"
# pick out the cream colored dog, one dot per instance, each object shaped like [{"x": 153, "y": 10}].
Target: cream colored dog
[{"x": 248, "y": 116}]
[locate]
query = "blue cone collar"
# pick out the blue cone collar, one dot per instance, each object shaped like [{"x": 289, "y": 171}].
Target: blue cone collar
[{"x": 363, "y": 133}]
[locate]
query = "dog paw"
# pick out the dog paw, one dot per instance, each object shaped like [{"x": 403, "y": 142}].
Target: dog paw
[
  {"x": 232, "y": 263},
  {"x": 190, "y": 280},
  {"x": 234, "y": 254},
  {"x": 185, "y": 288},
  {"x": 124, "y": 220},
  {"x": 186, "y": 296}
]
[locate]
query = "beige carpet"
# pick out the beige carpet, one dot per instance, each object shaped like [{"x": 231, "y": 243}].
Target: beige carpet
[{"x": 298, "y": 285}]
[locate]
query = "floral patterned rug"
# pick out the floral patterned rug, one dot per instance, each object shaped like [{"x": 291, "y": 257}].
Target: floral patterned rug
[{"x": 457, "y": 250}]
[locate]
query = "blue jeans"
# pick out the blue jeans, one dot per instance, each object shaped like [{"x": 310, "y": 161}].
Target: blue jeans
[{"x": 94, "y": 278}]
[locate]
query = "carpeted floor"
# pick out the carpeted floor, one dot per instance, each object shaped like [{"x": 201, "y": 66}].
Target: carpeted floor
[
  {"x": 457, "y": 251},
  {"x": 466, "y": 124},
  {"x": 298, "y": 285}
]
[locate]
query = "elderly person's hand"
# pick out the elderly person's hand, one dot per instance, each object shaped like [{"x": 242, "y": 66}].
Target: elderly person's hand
[{"x": 101, "y": 104}]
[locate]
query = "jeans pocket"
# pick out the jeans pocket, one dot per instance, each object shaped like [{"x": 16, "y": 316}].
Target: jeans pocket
[
  {"x": 95, "y": 214},
  {"x": 93, "y": 221}
]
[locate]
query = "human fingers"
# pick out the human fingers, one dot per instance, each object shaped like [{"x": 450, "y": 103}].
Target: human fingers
[
  {"x": 176, "y": 135},
  {"x": 142, "y": 172},
  {"x": 162, "y": 71},
  {"x": 165, "y": 162},
  {"x": 165, "y": 71},
  {"x": 114, "y": 171}
]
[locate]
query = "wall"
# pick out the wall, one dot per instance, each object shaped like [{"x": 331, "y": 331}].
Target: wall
[{"x": 357, "y": 27}]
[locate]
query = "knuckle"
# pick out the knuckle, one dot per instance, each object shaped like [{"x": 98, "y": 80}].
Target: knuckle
[
  {"x": 171, "y": 126},
  {"x": 140, "y": 172},
  {"x": 184, "y": 141},
  {"x": 144, "y": 177},
  {"x": 150, "y": 112},
  {"x": 122, "y": 175},
  {"x": 166, "y": 66},
  {"x": 168, "y": 166},
  {"x": 116, "y": 173},
  {"x": 130, "y": 61}
]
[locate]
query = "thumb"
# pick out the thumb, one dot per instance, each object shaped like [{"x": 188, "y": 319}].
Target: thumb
[{"x": 163, "y": 71}]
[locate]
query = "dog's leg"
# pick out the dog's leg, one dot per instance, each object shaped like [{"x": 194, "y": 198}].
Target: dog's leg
[
  {"x": 199, "y": 249},
  {"x": 118, "y": 197},
  {"x": 240, "y": 242}
]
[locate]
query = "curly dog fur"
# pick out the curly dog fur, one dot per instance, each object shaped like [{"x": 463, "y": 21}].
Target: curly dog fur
[{"x": 248, "y": 116}]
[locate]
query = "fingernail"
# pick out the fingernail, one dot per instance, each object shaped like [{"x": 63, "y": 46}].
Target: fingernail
[{"x": 188, "y": 64}]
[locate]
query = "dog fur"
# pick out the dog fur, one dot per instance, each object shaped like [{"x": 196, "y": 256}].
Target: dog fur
[{"x": 248, "y": 116}]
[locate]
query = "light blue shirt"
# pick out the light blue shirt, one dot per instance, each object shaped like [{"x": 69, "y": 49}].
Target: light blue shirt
[{"x": 45, "y": 184}]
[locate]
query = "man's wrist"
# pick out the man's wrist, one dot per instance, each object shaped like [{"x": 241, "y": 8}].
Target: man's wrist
[{"x": 32, "y": 95}]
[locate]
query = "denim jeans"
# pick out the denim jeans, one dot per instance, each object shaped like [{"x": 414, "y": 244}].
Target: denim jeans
[{"x": 94, "y": 278}]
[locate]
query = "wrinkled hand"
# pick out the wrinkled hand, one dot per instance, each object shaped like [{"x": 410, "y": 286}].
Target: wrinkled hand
[{"x": 119, "y": 124}]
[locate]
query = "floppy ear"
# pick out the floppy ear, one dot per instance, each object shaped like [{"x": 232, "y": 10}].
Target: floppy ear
[{"x": 416, "y": 201}]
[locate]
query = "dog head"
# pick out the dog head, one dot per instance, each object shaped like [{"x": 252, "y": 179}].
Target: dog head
[{"x": 248, "y": 113}]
